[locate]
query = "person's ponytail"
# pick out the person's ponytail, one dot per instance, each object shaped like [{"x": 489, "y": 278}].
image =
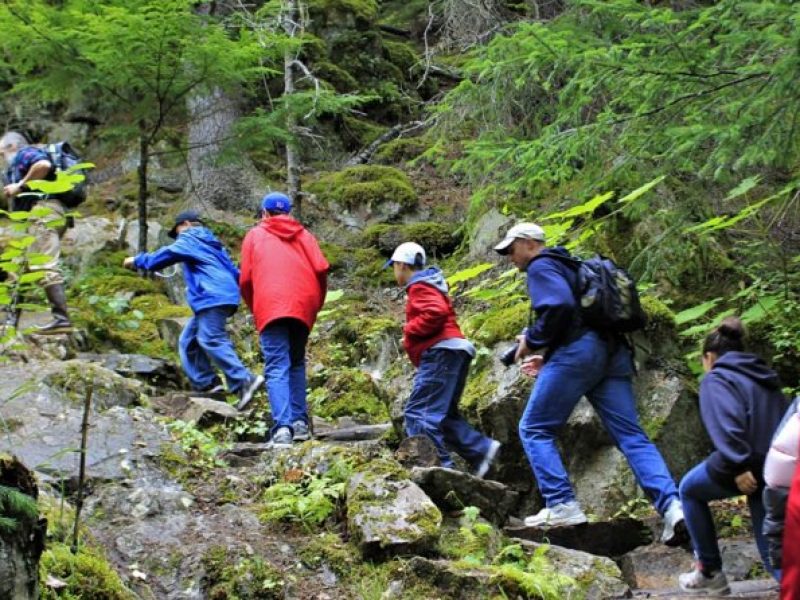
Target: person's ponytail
[{"x": 728, "y": 336}]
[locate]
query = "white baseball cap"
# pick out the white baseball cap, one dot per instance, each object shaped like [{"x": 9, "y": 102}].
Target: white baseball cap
[
  {"x": 409, "y": 253},
  {"x": 521, "y": 231}
]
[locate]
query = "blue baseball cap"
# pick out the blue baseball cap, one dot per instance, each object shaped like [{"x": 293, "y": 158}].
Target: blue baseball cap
[{"x": 276, "y": 202}]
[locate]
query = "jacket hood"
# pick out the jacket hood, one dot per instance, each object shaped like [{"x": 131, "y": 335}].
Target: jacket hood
[
  {"x": 283, "y": 226},
  {"x": 203, "y": 235},
  {"x": 749, "y": 365},
  {"x": 432, "y": 276}
]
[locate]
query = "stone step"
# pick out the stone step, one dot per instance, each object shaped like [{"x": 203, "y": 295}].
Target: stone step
[
  {"x": 355, "y": 433},
  {"x": 756, "y": 589},
  {"x": 604, "y": 538}
]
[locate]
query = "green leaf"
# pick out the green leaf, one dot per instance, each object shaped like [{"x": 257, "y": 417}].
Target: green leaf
[
  {"x": 468, "y": 273},
  {"x": 582, "y": 209},
  {"x": 744, "y": 186},
  {"x": 760, "y": 309},
  {"x": 695, "y": 312},
  {"x": 32, "y": 276},
  {"x": 642, "y": 190}
]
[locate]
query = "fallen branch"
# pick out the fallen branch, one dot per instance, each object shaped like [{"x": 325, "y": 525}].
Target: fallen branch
[{"x": 365, "y": 155}]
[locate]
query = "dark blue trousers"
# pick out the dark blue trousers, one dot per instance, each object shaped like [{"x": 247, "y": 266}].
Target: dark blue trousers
[{"x": 432, "y": 408}]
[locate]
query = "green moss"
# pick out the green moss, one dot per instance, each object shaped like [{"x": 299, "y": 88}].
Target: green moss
[
  {"x": 658, "y": 313},
  {"x": 401, "y": 150},
  {"x": 340, "y": 79},
  {"x": 228, "y": 577},
  {"x": 401, "y": 54},
  {"x": 329, "y": 548},
  {"x": 369, "y": 269},
  {"x": 498, "y": 324},
  {"x": 478, "y": 390},
  {"x": 357, "y": 133},
  {"x": 365, "y": 186},
  {"x": 336, "y": 255},
  {"x": 88, "y": 575},
  {"x": 364, "y": 11},
  {"x": 437, "y": 238},
  {"x": 349, "y": 392}
]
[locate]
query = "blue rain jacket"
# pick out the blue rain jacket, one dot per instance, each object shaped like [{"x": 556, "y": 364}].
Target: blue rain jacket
[{"x": 211, "y": 277}]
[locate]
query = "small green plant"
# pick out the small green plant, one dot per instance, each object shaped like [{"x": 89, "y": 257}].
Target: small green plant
[
  {"x": 202, "y": 447},
  {"x": 307, "y": 499}
]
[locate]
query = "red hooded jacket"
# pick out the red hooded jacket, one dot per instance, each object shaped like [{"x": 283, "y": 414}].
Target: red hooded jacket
[
  {"x": 430, "y": 317},
  {"x": 283, "y": 272},
  {"x": 790, "y": 580}
]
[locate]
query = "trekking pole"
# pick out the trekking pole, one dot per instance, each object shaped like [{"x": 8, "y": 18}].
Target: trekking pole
[{"x": 82, "y": 469}]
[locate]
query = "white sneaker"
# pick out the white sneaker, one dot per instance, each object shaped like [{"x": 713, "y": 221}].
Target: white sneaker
[
  {"x": 488, "y": 459},
  {"x": 697, "y": 584},
  {"x": 567, "y": 513},
  {"x": 674, "y": 533},
  {"x": 301, "y": 431},
  {"x": 248, "y": 391}
]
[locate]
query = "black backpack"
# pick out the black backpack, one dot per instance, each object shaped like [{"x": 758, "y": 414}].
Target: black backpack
[
  {"x": 63, "y": 157},
  {"x": 606, "y": 293}
]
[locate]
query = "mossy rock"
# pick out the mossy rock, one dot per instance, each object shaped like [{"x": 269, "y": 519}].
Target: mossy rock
[
  {"x": 658, "y": 314},
  {"x": 498, "y": 324},
  {"x": 366, "y": 185},
  {"x": 362, "y": 12},
  {"x": 369, "y": 269},
  {"x": 87, "y": 574},
  {"x": 355, "y": 132},
  {"x": 349, "y": 392},
  {"x": 336, "y": 255},
  {"x": 401, "y": 150},
  {"x": 401, "y": 54},
  {"x": 328, "y": 548},
  {"x": 437, "y": 238},
  {"x": 341, "y": 80}
]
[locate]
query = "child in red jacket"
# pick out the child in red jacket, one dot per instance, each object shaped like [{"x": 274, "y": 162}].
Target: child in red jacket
[{"x": 437, "y": 348}]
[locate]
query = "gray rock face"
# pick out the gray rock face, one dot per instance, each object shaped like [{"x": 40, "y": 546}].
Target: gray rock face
[
  {"x": 600, "y": 474},
  {"x": 453, "y": 490},
  {"x": 155, "y": 371},
  {"x": 388, "y": 514},
  {"x": 417, "y": 451},
  {"x": 71, "y": 379},
  {"x": 46, "y": 419},
  {"x": 90, "y": 236},
  {"x": 488, "y": 231},
  {"x": 154, "y": 230},
  {"x": 170, "y": 330},
  {"x": 206, "y": 411}
]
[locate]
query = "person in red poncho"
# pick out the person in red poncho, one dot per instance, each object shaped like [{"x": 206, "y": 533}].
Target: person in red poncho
[
  {"x": 790, "y": 578},
  {"x": 283, "y": 281},
  {"x": 436, "y": 346}
]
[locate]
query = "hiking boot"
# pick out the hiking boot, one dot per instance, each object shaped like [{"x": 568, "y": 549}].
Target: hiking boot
[
  {"x": 301, "y": 431},
  {"x": 567, "y": 513},
  {"x": 675, "y": 532},
  {"x": 282, "y": 438},
  {"x": 697, "y": 584},
  {"x": 57, "y": 298},
  {"x": 248, "y": 391},
  {"x": 488, "y": 459}
]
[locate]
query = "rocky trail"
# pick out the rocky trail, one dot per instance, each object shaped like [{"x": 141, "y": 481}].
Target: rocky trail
[{"x": 172, "y": 527}]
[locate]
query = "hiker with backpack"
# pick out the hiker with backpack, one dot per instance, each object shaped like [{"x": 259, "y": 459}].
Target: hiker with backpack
[
  {"x": 569, "y": 360},
  {"x": 212, "y": 290},
  {"x": 436, "y": 346},
  {"x": 741, "y": 405},
  {"x": 26, "y": 163}
]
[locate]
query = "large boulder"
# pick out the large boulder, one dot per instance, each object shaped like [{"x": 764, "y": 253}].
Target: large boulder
[
  {"x": 90, "y": 237},
  {"x": 388, "y": 513},
  {"x": 43, "y": 422},
  {"x": 154, "y": 371}
]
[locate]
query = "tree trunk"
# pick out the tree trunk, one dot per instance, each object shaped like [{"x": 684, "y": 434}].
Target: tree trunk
[
  {"x": 144, "y": 156},
  {"x": 290, "y": 21}
]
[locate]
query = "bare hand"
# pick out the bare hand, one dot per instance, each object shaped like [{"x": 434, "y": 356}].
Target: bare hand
[
  {"x": 128, "y": 263},
  {"x": 746, "y": 483},
  {"x": 522, "y": 348},
  {"x": 12, "y": 189},
  {"x": 532, "y": 365}
]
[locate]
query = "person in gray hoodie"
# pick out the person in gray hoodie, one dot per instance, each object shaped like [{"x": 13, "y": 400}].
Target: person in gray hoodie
[
  {"x": 741, "y": 405},
  {"x": 435, "y": 345}
]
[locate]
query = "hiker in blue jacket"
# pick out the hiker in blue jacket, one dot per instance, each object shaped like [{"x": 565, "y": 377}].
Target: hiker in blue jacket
[
  {"x": 741, "y": 405},
  {"x": 212, "y": 290},
  {"x": 571, "y": 360}
]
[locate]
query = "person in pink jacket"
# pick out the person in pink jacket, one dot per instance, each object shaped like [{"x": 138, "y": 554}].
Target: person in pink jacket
[{"x": 283, "y": 281}]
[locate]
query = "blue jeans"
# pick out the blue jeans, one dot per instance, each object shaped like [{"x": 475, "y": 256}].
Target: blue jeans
[
  {"x": 432, "y": 407},
  {"x": 283, "y": 344},
  {"x": 696, "y": 490},
  {"x": 587, "y": 367},
  {"x": 204, "y": 343}
]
